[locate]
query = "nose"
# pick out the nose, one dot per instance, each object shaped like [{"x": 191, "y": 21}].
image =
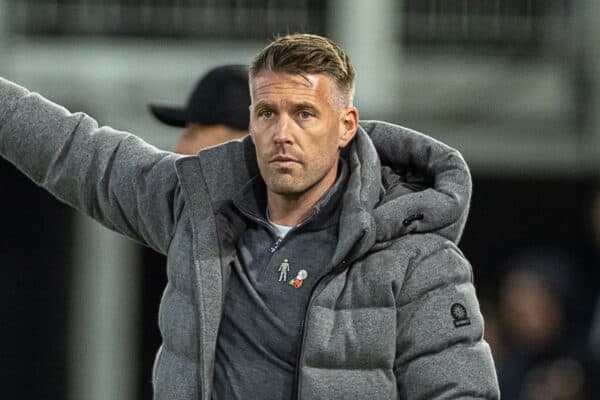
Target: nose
[{"x": 283, "y": 130}]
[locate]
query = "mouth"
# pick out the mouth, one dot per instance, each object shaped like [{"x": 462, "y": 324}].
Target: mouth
[{"x": 283, "y": 160}]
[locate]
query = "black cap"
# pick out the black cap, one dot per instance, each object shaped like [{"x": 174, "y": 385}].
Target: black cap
[{"x": 220, "y": 97}]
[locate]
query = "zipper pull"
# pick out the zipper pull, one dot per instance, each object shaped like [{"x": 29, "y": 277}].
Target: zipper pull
[{"x": 275, "y": 245}]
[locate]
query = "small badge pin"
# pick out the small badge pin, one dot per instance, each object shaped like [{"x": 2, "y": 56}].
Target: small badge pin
[
  {"x": 460, "y": 316},
  {"x": 298, "y": 281},
  {"x": 284, "y": 268}
]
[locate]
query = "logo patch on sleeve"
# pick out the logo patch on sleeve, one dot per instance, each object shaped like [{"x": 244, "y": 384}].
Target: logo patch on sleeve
[{"x": 460, "y": 316}]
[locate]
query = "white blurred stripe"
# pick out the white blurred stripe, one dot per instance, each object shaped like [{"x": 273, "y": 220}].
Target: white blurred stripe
[
  {"x": 590, "y": 15},
  {"x": 370, "y": 33},
  {"x": 103, "y": 331}
]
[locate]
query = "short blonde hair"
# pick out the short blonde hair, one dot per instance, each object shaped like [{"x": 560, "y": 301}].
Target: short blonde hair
[{"x": 303, "y": 53}]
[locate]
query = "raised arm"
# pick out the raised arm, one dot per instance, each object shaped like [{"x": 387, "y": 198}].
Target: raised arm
[{"x": 116, "y": 178}]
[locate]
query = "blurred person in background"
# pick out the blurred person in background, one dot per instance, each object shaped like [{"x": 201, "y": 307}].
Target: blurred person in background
[
  {"x": 315, "y": 259},
  {"x": 493, "y": 329},
  {"x": 594, "y": 261},
  {"x": 537, "y": 310},
  {"x": 216, "y": 111},
  {"x": 556, "y": 379}
]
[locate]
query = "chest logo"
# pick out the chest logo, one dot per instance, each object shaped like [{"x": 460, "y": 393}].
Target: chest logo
[
  {"x": 298, "y": 281},
  {"x": 460, "y": 316},
  {"x": 284, "y": 268}
]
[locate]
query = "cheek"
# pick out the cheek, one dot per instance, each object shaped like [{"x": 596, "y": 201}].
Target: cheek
[
  {"x": 258, "y": 138},
  {"x": 331, "y": 142},
  {"x": 324, "y": 152}
]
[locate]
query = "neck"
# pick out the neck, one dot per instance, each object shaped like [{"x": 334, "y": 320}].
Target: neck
[{"x": 290, "y": 210}]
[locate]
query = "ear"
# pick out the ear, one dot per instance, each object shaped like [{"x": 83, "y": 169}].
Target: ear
[{"x": 348, "y": 126}]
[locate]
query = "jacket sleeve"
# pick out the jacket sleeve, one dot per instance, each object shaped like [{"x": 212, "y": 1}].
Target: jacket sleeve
[
  {"x": 114, "y": 177},
  {"x": 441, "y": 353}
]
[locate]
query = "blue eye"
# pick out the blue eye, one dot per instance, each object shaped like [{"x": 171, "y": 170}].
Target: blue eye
[{"x": 305, "y": 114}]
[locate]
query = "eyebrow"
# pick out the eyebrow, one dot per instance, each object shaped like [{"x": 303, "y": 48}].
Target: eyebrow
[
  {"x": 295, "y": 106},
  {"x": 263, "y": 104},
  {"x": 304, "y": 104}
]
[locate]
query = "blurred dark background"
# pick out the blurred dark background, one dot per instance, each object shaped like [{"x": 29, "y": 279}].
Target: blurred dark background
[{"x": 513, "y": 84}]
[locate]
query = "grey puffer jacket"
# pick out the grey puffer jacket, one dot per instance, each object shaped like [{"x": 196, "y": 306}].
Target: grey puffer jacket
[{"x": 396, "y": 318}]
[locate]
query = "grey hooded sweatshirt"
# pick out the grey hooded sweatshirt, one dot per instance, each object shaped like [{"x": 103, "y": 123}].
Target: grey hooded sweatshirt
[{"x": 396, "y": 317}]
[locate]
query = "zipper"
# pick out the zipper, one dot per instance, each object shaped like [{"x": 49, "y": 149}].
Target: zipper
[
  {"x": 269, "y": 228},
  {"x": 277, "y": 244},
  {"x": 201, "y": 337},
  {"x": 321, "y": 283}
]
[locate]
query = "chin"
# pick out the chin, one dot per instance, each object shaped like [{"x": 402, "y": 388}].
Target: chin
[
  {"x": 285, "y": 190},
  {"x": 285, "y": 187}
]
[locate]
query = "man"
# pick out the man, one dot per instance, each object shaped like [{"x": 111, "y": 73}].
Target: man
[
  {"x": 378, "y": 302},
  {"x": 594, "y": 257},
  {"x": 216, "y": 112}
]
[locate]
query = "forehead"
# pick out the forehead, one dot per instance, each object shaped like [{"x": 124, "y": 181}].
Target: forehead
[{"x": 271, "y": 86}]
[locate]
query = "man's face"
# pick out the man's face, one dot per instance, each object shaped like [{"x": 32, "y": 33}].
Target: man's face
[{"x": 297, "y": 130}]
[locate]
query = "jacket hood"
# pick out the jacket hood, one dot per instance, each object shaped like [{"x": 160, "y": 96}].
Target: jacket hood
[
  {"x": 426, "y": 184},
  {"x": 401, "y": 182}
]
